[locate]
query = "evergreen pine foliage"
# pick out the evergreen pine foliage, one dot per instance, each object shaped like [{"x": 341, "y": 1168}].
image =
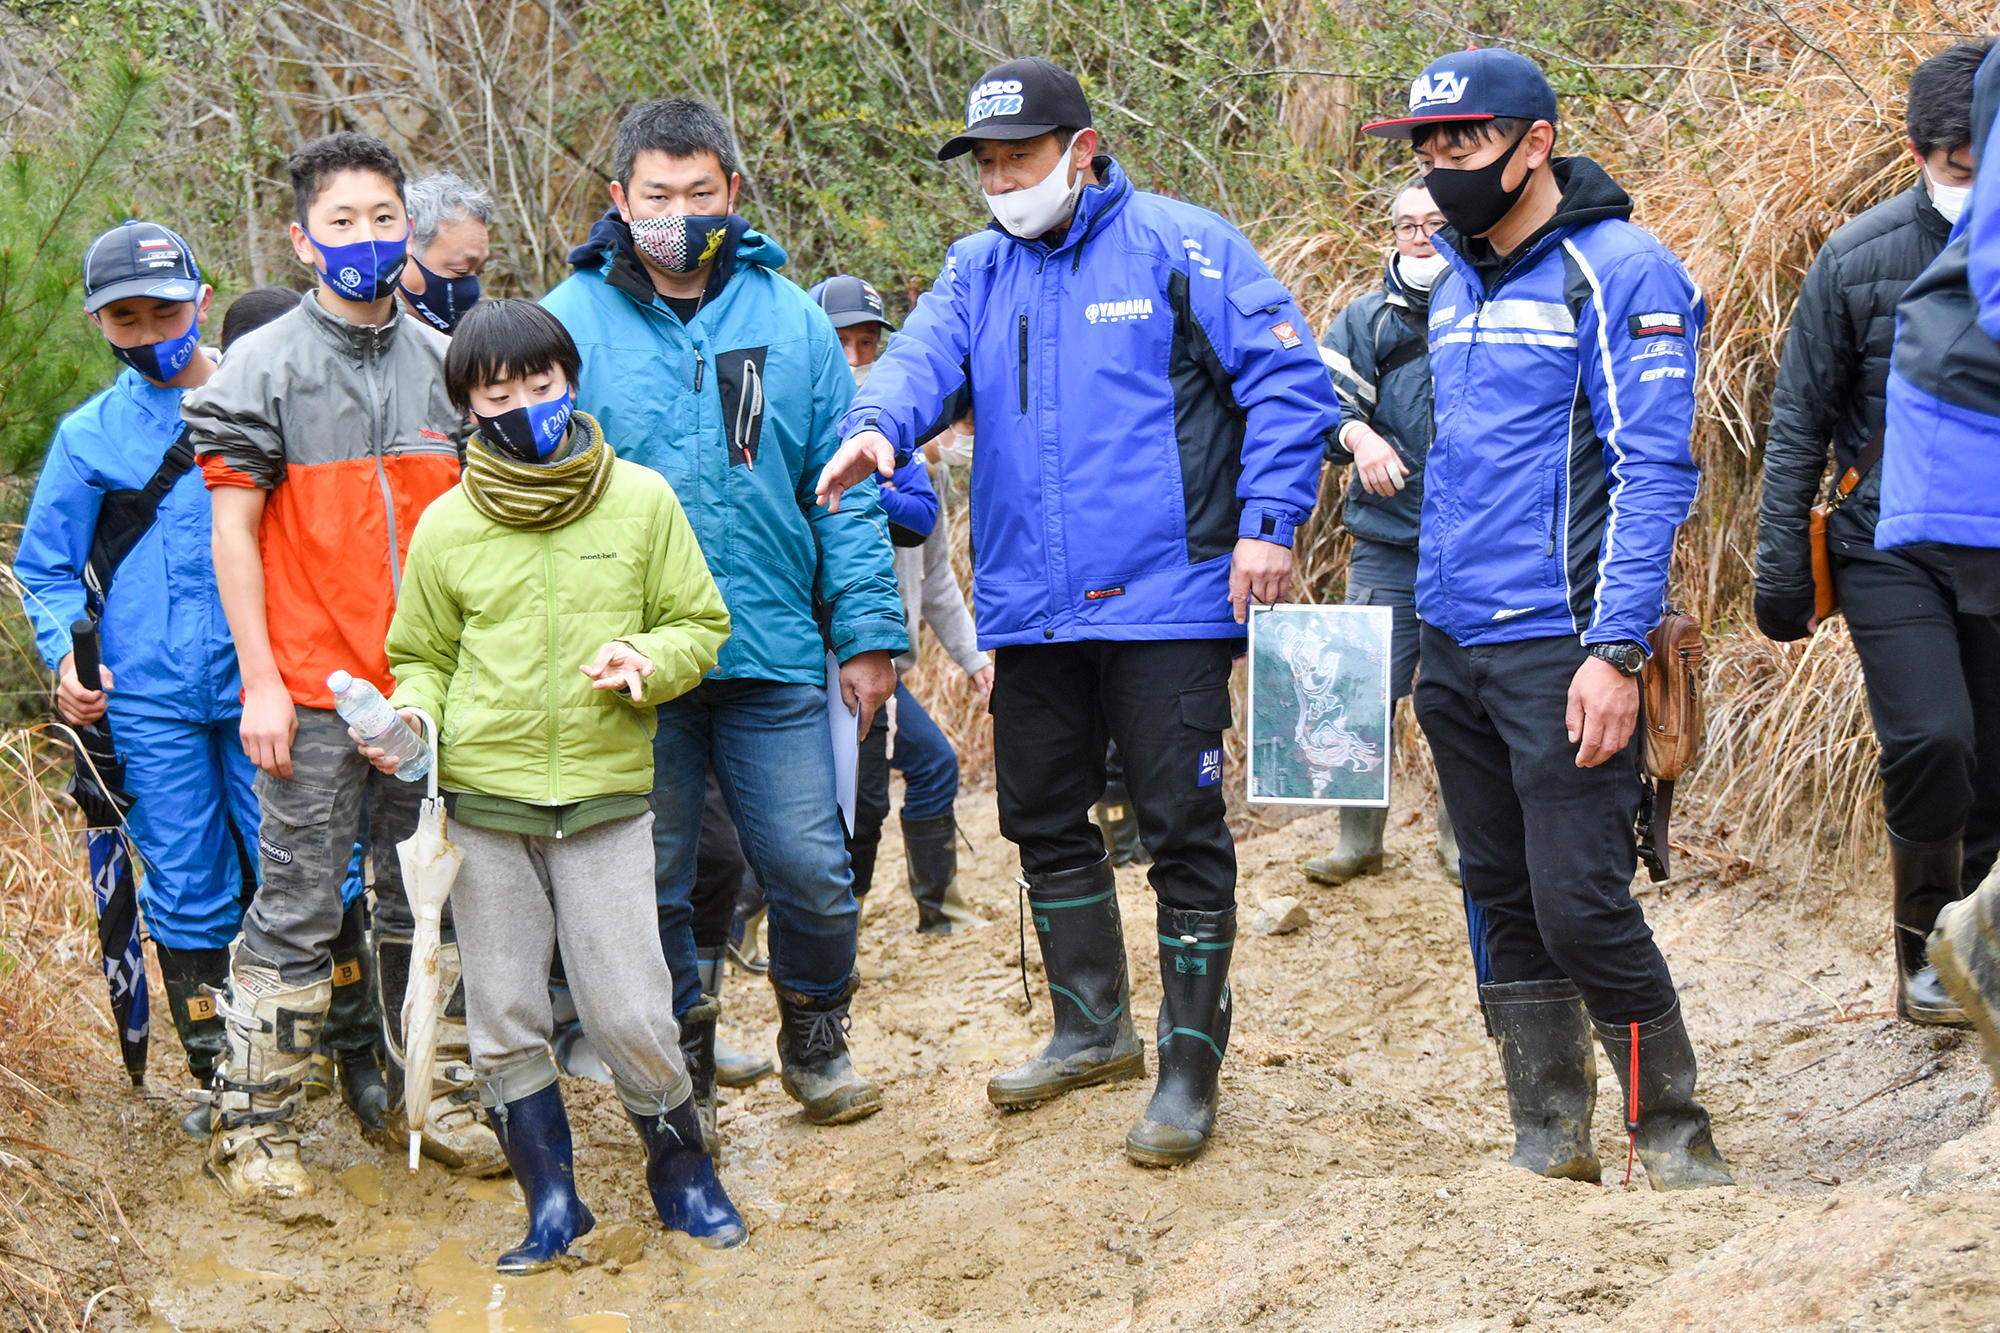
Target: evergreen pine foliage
[{"x": 56, "y": 194}]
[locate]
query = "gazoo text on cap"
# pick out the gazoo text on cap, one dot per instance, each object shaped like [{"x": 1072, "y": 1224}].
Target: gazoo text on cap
[
  {"x": 1436, "y": 88},
  {"x": 995, "y": 97}
]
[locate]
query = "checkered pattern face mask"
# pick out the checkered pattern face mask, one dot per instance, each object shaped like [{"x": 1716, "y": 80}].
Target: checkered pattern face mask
[{"x": 681, "y": 243}]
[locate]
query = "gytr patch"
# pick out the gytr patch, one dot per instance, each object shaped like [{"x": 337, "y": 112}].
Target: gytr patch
[
  {"x": 1209, "y": 771},
  {"x": 1193, "y": 967},
  {"x": 273, "y": 852}
]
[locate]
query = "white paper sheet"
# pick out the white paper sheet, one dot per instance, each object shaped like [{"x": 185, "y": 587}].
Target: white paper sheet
[{"x": 844, "y": 724}]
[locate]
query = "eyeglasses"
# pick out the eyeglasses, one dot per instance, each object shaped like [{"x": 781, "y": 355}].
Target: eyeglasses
[{"x": 1417, "y": 231}]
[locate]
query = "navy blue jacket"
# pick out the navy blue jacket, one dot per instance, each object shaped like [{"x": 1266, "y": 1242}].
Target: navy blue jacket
[
  {"x": 1564, "y": 384},
  {"x": 1382, "y": 368},
  {"x": 1144, "y": 393}
]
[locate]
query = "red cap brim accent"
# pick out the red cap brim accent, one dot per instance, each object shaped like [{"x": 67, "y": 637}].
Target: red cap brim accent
[{"x": 1400, "y": 127}]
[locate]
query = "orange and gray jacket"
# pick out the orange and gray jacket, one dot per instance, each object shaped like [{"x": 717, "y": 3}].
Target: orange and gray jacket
[{"x": 349, "y": 430}]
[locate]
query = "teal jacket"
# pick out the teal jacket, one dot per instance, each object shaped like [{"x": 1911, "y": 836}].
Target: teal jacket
[{"x": 738, "y": 409}]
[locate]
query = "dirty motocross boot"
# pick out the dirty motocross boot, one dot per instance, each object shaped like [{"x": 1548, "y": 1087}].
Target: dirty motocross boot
[
  {"x": 1195, "y": 948},
  {"x": 534, "y": 1132},
  {"x": 812, "y": 1058},
  {"x": 452, "y": 1135},
  {"x": 1927, "y": 876},
  {"x": 733, "y": 1068},
  {"x": 1083, "y": 957},
  {"x": 1359, "y": 851},
  {"x": 1551, "y": 1069},
  {"x": 680, "y": 1173},
  {"x": 1670, "y": 1131},
  {"x": 270, "y": 1026},
  {"x": 931, "y": 848},
  {"x": 1965, "y": 949},
  {"x": 190, "y": 974},
  {"x": 350, "y": 1043},
  {"x": 1118, "y": 823}
]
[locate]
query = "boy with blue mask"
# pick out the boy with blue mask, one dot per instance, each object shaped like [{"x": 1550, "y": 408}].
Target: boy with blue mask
[
  {"x": 322, "y": 439},
  {"x": 169, "y": 670}
]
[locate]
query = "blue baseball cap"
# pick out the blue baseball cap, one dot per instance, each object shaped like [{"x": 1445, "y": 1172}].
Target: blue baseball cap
[
  {"x": 850, "y": 300},
  {"x": 139, "y": 259},
  {"x": 1481, "y": 84}
]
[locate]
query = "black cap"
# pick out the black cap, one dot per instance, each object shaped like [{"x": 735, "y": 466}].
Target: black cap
[
  {"x": 1480, "y": 84},
  {"x": 1020, "y": 100},
  {"x": 849, "y": 300},
  {"x": 138, "y": 259}
]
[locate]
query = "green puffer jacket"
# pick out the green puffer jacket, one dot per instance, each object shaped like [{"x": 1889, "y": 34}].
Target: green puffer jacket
[{"x": 494, "y": 623}]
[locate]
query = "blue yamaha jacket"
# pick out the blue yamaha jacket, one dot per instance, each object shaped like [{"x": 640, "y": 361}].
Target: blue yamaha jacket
[
  {"x": 163, "y": 633},
  {"x": 1144, "y": 393},
  {"x": 1941, "y": 441},
  {"x": 1564, "y": 385}
]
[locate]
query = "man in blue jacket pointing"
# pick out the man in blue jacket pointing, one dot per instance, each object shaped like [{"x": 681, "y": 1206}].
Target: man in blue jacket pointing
[
  {"x": 1151, "y": 411},
  {"x": 1562, "y": 348}
]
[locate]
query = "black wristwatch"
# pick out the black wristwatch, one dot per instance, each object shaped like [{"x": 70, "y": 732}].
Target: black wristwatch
[{"x": 1628, "y": 656}]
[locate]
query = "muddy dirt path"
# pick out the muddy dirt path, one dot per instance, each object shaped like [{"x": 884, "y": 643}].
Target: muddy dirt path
[{"x": 1357, "y": 1181}]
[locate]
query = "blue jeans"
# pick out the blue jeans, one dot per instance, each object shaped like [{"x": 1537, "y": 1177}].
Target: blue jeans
[{"x": 773, "y": 759}]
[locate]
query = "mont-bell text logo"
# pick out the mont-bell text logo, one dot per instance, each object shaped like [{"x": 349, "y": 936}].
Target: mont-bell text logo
[
  {"x": 995, "y": 97},
  {"x": 1436, "y": 88},
  {"x": 1118, "y": 311}
]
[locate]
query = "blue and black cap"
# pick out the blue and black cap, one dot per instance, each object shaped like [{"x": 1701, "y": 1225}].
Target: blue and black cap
[
  {"x": 1020, "y": 99},
  {"x": 1481, "y": 84},
  {"x": 849, "y": 300},
  {"x": 139, "y": 259}
]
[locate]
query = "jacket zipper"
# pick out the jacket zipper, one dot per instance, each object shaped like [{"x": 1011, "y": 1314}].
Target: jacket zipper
[
  {"x": 1555, "y": 514},
  {"x": 549, "y": 659},
  {"x": 380, "y": 425},
  {"x": 1024, "y": 363}
]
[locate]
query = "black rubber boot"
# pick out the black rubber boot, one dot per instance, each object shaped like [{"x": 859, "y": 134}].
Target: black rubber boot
[
  {"x": 186, "y": 971},
  {"x": 1083, "y": 956},
  {"x": 534, "y": 1133},
  {"x": 1670, "y": 1128},
  {"x": 1551, "y": 1069},
  {"x": 698, "y": 1051},
  {"x": 733, "y": 1068},
  {"x": 352, "y": 1035},
  {"x": 1927, "y": 877},
  {"x": 931, "y": 848},
  {"x": 1119, "y": 825},
  {"x": 1195, "y": 948},
  {"x": 812, "y": 1058}
]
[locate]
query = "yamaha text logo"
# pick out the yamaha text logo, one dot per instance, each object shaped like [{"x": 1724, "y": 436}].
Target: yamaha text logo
[
  {"x": 995, "y": 97},
  {"x": 1436, "y": 88},
  {"x": 1112, "y": 311}
]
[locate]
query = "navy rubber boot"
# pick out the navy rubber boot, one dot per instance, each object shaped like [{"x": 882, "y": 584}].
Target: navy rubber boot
[
  {"x": 534, "y": 1133},
  {"x": 680, "y": 1172}
]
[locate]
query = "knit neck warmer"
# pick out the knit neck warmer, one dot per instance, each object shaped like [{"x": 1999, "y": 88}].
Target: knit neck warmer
[{"x": 539, "y": 497}]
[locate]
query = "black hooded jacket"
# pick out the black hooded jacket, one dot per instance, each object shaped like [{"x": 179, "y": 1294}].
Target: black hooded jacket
[{"x": 1830, "y": 392}]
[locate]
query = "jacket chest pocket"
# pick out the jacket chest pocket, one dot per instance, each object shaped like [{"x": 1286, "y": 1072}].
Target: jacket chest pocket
[{"x": 739, "y": 382}]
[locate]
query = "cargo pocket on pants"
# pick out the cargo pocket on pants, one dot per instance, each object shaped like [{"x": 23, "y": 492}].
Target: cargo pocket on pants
[
  {"x": 294, "y": 836},
  {"x": 1205, "y": 715}
]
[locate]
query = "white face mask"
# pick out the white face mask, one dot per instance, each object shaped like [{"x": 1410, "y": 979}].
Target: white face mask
[
  {"x": 861, "y": 373},
  {"x": 1420, "y": 274},
  {"x": 1048, "y": 203},
  {"x": 1949, "y": 200}
]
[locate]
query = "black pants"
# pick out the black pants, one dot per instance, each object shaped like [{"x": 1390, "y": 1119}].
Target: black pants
[
  {"x": 1933, "y": 676},
  {"x": 1547, "y": 848},
  {"x": 721, "y": 872},
  {"x": 1166, "y": 704}
]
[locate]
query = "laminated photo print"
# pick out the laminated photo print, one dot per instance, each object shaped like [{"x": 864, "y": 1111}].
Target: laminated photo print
[{"x": 1319, "y": 705}]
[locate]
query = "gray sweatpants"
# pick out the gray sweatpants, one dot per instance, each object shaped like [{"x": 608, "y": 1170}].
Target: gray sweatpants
[{"x": 515, "y": 897}]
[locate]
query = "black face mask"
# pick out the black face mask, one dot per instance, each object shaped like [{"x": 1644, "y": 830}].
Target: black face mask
[{"x": 1473, "y": 201}]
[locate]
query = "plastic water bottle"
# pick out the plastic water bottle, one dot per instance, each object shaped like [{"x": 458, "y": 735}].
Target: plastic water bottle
[{"x": 362, "y": 707}]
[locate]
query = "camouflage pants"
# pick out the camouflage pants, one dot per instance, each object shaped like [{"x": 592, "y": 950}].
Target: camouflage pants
[{"x": 306, "y": 837}]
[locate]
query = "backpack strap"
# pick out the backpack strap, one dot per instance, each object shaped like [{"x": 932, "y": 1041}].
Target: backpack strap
[{"x": 126, "y": 516}]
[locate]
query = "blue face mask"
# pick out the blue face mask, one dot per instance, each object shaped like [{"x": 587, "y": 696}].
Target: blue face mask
[
  {"x": 363, "y": 271},
  {"x": 530, "y": 433},
  {"x": 443, "y": 301},
  {"x": 161, "y": 361}
]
